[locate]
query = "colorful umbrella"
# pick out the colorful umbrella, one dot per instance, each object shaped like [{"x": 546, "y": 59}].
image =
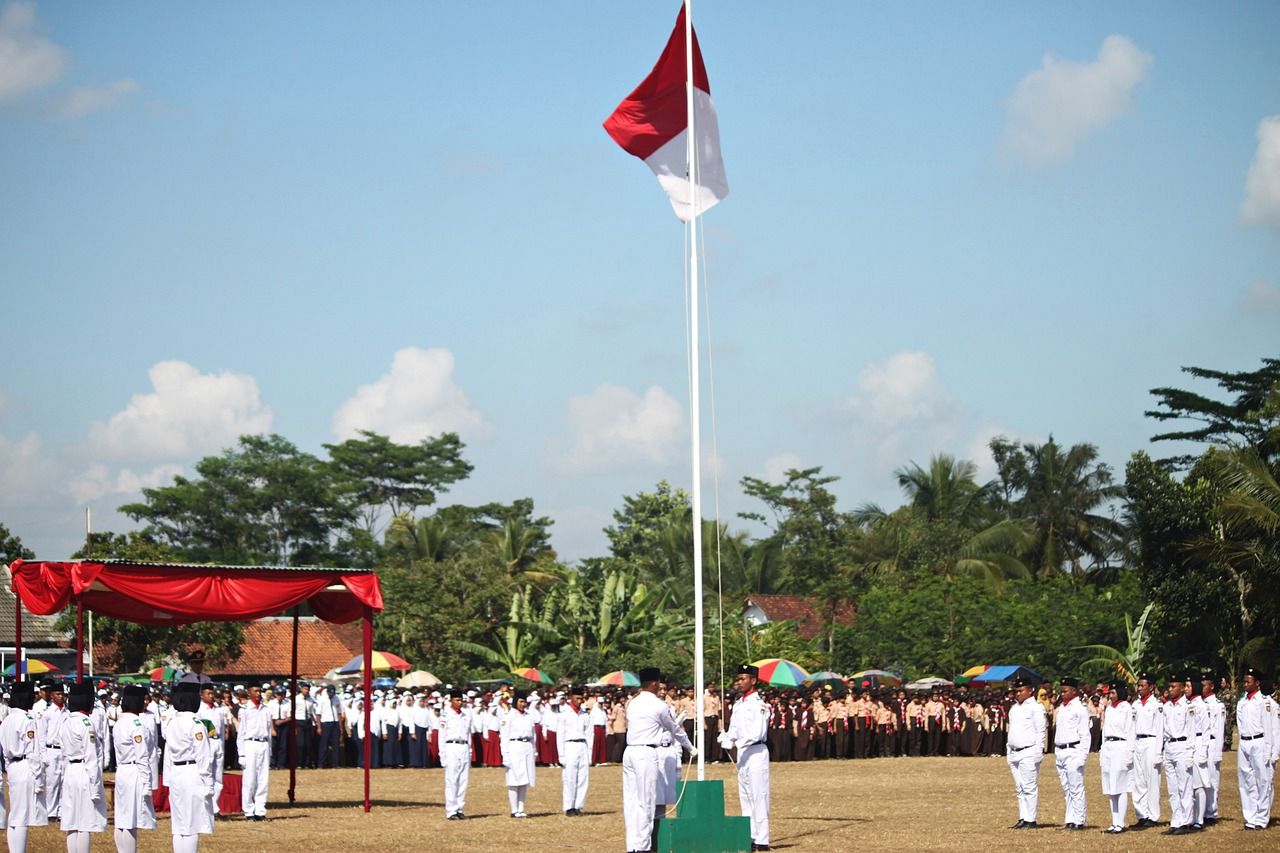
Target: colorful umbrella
[
  {"x": 381, "y": 660},
  {"x": 164, "y": 673},
  {"x": 32, "y": 666},
  {"x": 877, "y": 677},
  {"x": 532, "y": 673},
  {"x": 779, "y": 672},
  {"x": 620, "y": 678},
  {"x": 975, "y": 670},
  {"x": 826, "y": 678}
]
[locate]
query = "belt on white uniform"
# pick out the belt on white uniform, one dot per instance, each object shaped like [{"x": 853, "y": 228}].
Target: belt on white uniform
[
  {"x": 258, "y": 739},
  {"x": 183, "y": 763},
  {"x": 1112, "y": 739},
  {"x": 16, "y": 758},
  {"x": 1250, "y": 737},
  {"x": 1142, "y": 736},
  {"x": 462, "y": 741},
  {"x": 647, "y": 745},
  {"x": 575, "y": 740},
  {"x": 1175, "y": 739},
  {"x": 525, "y": 739},
  {"x": 1020, "y": 748},
  {"x": 1066, "y": 745}
]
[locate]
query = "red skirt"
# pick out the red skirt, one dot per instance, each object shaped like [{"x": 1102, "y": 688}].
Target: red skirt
[
  {"x": 492, "y": 749},
  {"x": 548, "y": 752},
  {"x": 599, "y": 752},
  {"x": 433, "y": 748}
]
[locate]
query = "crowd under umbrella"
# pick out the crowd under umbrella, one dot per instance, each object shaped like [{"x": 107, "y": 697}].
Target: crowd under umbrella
[
  {"x": 876, "y": 678},
  {"x": 619, "y": 678},
  {"x": 30, "y": 666},
  {"x": 929, "y": 682},
  {"x": 378, "y": 662},
  {"x": 418, "y": 678},
  {"x": 826, "y": 678},
  {"x": 532, "y": 673},
  {"x": 780, "y": 672}
]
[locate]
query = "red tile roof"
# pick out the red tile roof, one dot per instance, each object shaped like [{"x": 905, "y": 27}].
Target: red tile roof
[{"x": 805, "y": 612}]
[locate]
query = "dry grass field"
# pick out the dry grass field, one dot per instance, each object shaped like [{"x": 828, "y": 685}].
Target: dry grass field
[{"x": 881, "y": 805}]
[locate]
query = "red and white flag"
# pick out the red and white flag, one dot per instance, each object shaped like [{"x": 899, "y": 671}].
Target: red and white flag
[{"x": 653, "y": 124}]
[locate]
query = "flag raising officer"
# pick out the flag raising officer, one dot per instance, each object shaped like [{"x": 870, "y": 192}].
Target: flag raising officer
[
  {"x": 748, "y": 733},
  {"x": 647, "y": 718},
  {"x": 135, "y": 744}
]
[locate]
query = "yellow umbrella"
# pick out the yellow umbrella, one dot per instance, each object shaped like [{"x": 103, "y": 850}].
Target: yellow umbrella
[{"x": 975, "y": 670}]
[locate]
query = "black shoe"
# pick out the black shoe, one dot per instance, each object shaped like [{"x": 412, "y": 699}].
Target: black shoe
[
  {"x": 1029, "y": 824},
  {"x": 1210, "y": 821},
  {"x": 1019, "y": 825},
  {"x": 759, "y": 846},
  {"x": 1177, "y": 830},
  {"x": 1197, "y": 827}
]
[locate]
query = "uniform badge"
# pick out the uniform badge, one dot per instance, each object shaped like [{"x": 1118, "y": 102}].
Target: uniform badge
[
  {"x": 137, "y": 738},
  {"x": 199, "y": 735},
  {"x": 31, "y": 735}
]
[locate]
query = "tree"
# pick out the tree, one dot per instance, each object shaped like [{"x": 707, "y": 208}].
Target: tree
[
  {"x": 382, "y": 477},
  {"x": 1133, "y": 659},
  {"x": 1244, "y": 421},
  {"x": 138, "y": 647},
  {"x": 642, "y": 520},
  {"x": 11, "y": 548},
  {"x": 264, "y": 502},
  {"x": 1058, "y": 493}
]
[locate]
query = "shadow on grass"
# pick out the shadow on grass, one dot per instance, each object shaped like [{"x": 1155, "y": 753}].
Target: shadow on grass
[
  {"x": 340, "y": 804},
  {"x": 840, "y": 823}
]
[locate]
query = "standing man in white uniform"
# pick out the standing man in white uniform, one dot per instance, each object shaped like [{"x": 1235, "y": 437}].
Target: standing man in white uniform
[
  {"x": 1071, "y": 750},
  {"x": 1256, "y": 722},
  {"x": 188, "y": 770},
  {"x": 84, "y": 802},
  {"x": 1217, "y": 726},
  {"x": 20, "y": 744},
  {"x": 748, "y": 733},
  {"x": 1025, "y": 751},
  {"x": 575, "y": 729},
  {"x": 1119, "y": 746},
  {"x": 253, "y": 746},
  {"x": 134, "y": 741},
  {"x": 457, "y": 724},
  {"x": 215, "y": 723},
  {"x": 1178, "y": 733},
  {"x": 1148, "y": 756},
  {"x": 647, "y": 718},
  {"x": 50, "y": 736}
]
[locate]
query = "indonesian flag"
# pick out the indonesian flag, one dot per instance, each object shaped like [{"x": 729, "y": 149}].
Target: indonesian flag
[{"x": 653, "y": 124}]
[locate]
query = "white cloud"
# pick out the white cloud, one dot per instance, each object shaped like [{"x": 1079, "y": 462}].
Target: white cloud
[
  {"x": 97, "y": 482},
  {"x": 83, "y": 100},
  {"x": 1054, "y": 108},
  {"x": 28, "y": 475},
  {"x": 4, "y": 403},
  {"x": 614, "y": 428},
  {"x": 776, "y": 467},
  {"x": 1262, "y": 297},
  {"x": 27, "y": 61},
  {"x": 187, "y": 414},
  {"x": 905, "y": 388},
  {"x": 419, "y": 397},
  {"x": 1262, "y": 185}
]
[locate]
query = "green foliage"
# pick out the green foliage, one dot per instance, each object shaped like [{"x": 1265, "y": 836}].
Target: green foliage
[
  {"x": 1127, "y": 663},
  {"x": 1249, "y": 419},
  {"x": 11, "y": 548},
  {"x": 640, "y": 523}
]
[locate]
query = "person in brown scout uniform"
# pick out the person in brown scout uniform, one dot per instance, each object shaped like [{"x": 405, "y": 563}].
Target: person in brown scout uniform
[
  {"x": 840, "y": 727},
  {"x": 804, "y": 728},
  {"x": 779, "y": 730},
  {"x": 886, "y": 728},
  {"x": 711, "y": 716},
  {"x": 916, "y": 722},
  {"x": 933, "y": 714},
  {"x": 821, "y": 715}
]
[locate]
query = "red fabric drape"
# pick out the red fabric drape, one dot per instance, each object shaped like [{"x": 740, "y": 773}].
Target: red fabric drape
[{"x": 164, "y": 595}]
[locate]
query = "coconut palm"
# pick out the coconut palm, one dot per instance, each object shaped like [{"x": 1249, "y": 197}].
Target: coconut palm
[{"x": 1128, "y": 663}]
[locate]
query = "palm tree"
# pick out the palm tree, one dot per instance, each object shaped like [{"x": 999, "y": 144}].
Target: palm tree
[
  {"x": 430, "y": 538},
  {"x": 519, "y": 548},
  {"x": 1128, "y": 663},
  {"x": 947, "y": 489}
]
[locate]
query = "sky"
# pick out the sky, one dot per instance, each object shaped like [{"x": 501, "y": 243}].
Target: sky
[{"x": 946, "y": 222}]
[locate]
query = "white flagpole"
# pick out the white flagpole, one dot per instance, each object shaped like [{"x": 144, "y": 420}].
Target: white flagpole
[{"x": 695, "y": 397}]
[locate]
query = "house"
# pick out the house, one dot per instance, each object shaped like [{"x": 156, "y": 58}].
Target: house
[{"x": 808, "y": 613}]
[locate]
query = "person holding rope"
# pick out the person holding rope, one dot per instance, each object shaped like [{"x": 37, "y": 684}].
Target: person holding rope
[
  {"x": 748, "y": 733},
  {"x": 647, "y": 718}
]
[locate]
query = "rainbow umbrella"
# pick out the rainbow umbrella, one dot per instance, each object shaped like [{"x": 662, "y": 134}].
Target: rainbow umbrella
[
  {"x": 164, "y": 673},
  {"x": 31, "y": 666},
  {"x": 620, "y": 678},
  {"x": 975, "y": 670},
  {"x": 532, "y": 673},
  {"x": 779, "y": 672},
  {"x": 878, "y": 678},
  {"x": 826, "y": 678},
  {"x": 380, "y": 661}
]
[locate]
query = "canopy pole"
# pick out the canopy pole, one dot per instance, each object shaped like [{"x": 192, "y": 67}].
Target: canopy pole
[
  {"x": 19, "y": 664},
  {"x": 293, "y": 712},
  {"x": 695, "y": 406},
  {"x": 79, "y": 639},
  {"x": 367, "y": 676}
]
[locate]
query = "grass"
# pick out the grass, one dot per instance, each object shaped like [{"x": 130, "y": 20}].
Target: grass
[{"x": 890, "y": 804}]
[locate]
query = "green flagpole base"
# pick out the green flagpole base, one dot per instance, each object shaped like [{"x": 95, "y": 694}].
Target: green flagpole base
[{"x": 701, "y": 826}]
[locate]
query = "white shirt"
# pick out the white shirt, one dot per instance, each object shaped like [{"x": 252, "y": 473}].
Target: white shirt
[
  {"x": 1178, "y": 728},
  {"x": 648, "y": 717},
  {"x": 1072, "y": 724},
  {"x": 1255, "y": 715},
  {"x": 255, "y": 721},
  {"x": 573, "y": 725},
  {"x": 1026, "y": 726},
  {"x": 1118, "y": 722},
  {"x": 1149, "y": 719},
  {"x": 457, "y": 726},
  {"x": 749, "y": 722}
]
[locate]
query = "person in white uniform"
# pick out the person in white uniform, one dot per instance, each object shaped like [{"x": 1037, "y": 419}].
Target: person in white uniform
[
  {"x": 669, "y": 753},
  {"x": 1201, "y": 774},
  {"x": 1217, "y": 727},
  {"x": 647, "y": 718},
  {"x": 1071, "y": 750},
  {"x": 84, "y": 802},
  {"x": 1255, "y": 763},
  {"x": 215, "y": 724},
  {"x": 188, "y": 770},
  {"x": 253, "y": 745},
  {"x": 575, "y": 730},
  {"x": 457, "y": 724},
  {"x": 1025, "y": 750},
  {"x": 20, "y": 745},
  {"x": 515, "y": 739},
  {"x": 1179, "y": 730},
  {"x": 50, "y": 736},
  {"x": 135, "y": 742},
  {"x": 1119, "y": 746},
  {"x": 748, "y": 733},
  {"x": 1148, "y": 756}
]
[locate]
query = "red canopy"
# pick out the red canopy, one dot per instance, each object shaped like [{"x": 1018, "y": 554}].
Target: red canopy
[{"x": 169, "y": 594}]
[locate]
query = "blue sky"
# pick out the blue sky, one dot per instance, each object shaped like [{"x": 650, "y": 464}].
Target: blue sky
[{"x": 946, "y": 222}]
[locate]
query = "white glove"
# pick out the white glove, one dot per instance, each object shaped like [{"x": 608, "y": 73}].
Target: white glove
[
  {"x": 693, "y": 752},
  {"x": 724, "y": 740}
]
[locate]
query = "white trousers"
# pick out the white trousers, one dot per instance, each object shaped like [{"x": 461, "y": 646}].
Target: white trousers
[
  {"x": 26, "y": 807},
  {"x": 1070, "y": 764},
  {"x": 1215, "y": 785},
  {"x": 53, "y": 769},
  {"x": 1254, "y": 777},
  {"x": 575, "y": 759},
  {"x": 217, "y": 748},
  {"x": 639, "y": 794},
  {"x": 1177, "y": 776},
  {"x": 1025, "y": 766},
  {"x": 455, "y": 758},
  {"x": 753, "y": 789},
  {"x": 255, "y": 758},
  {"x": 1146, "y": 778}
]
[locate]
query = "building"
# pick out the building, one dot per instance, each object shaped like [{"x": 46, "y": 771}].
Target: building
[{"x": 810, "y": 615}]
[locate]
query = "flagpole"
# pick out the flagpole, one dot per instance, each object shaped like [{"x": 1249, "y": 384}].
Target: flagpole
[{"x": 695, "y": 405}]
